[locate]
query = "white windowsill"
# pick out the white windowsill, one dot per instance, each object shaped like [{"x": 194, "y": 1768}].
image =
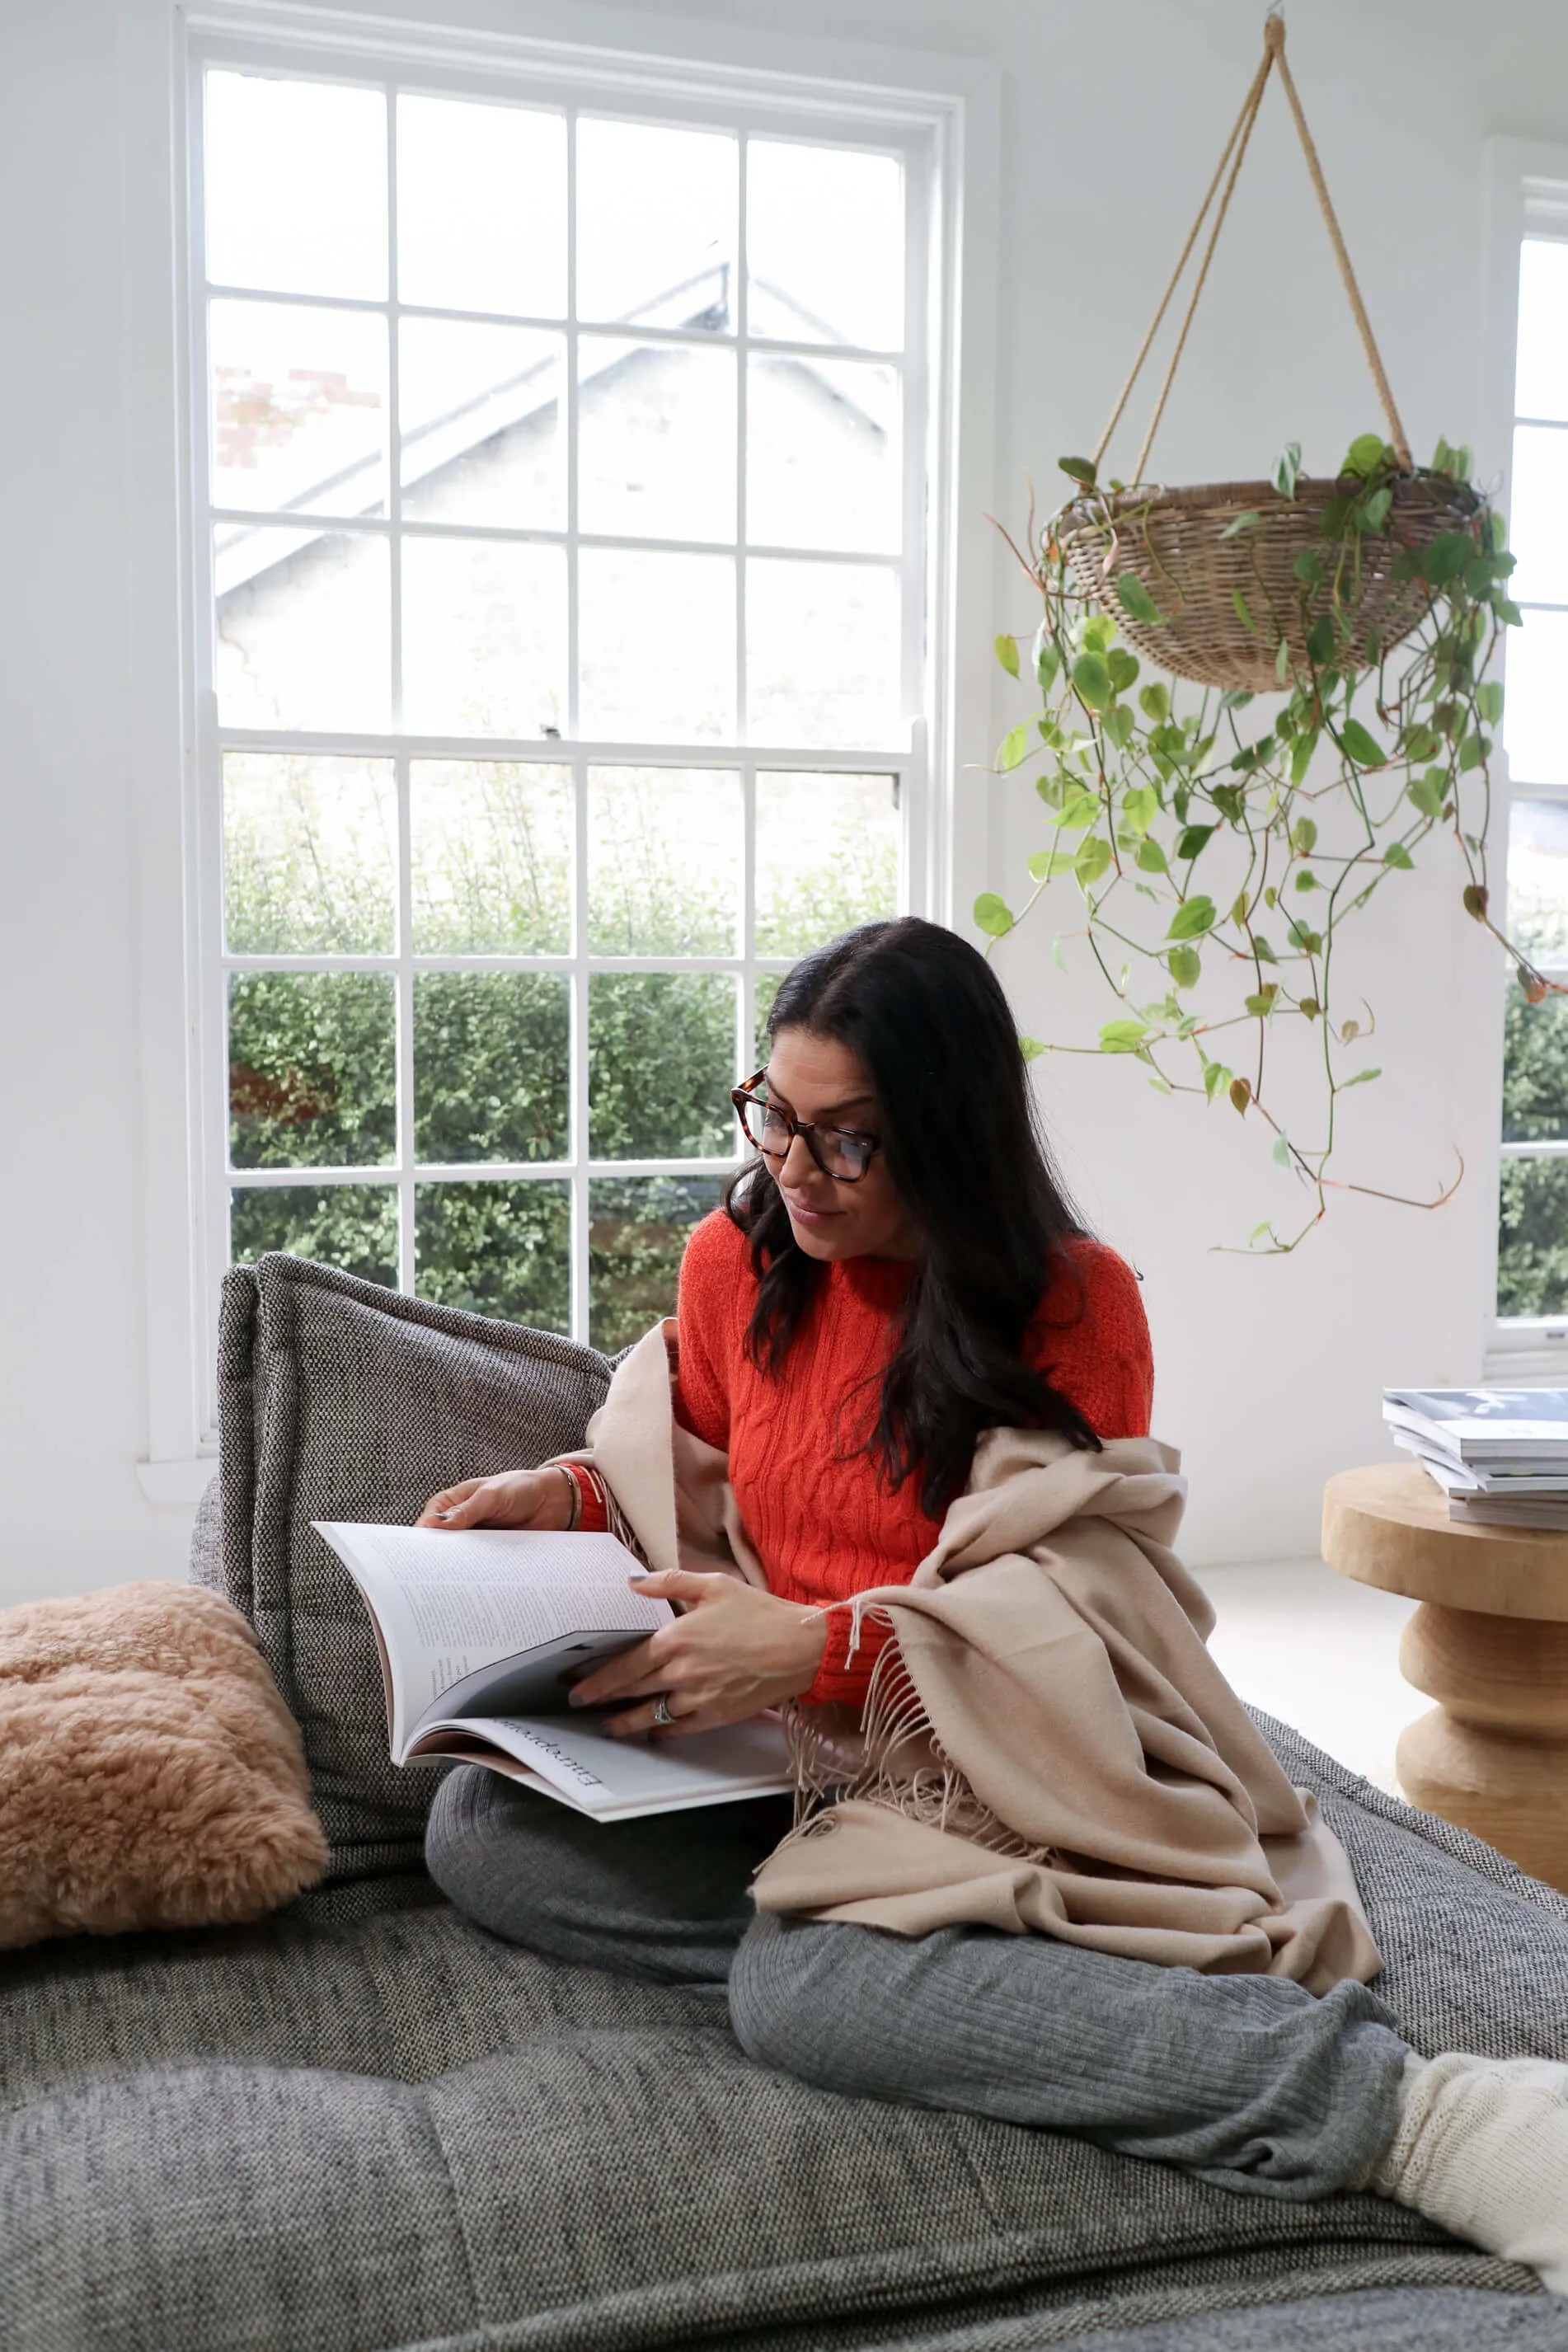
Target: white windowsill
[
  {"x": 1530, "y": 1355},
  {"x": 176, "y": 1484}
]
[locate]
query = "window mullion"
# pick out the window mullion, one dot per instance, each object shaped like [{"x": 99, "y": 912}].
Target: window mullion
[
  {"x": 742, "y": 346},
  {"x": 212, "y": 1117},
  {"x": 913, "y": 412},
  {"x": 394, "y": 422},
  {"x": 407, "y": 1242},
  {"x": 573, "y": 707},
  {"x": 913, "y": 798},
  {"x": 319, "y": 524},
  {"x": 408, "y": 1269},
  {"x": 578, "y": 1053},
  {"x": 858, "y": 759},
  {"x": 745, "y": 1010},
  {"x": 698, "y": 339},
  {"x": 747, "y": 1015},
  {"x": 577, "y": 1049}
]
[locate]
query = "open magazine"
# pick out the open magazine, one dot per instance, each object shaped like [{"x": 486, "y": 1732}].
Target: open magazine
[{"x": 483, "y": 1631}]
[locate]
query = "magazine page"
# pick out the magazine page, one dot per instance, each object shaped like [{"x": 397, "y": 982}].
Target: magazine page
[
  {"x": 1534, "y": 1408},
  {"x": 450, "y": 1603},
  {"x": 616, "y": 1780},
  {"x": 1481, "y": 1420},
  {"x": 1496, "y": 1478}
]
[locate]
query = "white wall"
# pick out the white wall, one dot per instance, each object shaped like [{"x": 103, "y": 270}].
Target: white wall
[
  {"x": 72, "y": 1374},
  {"x": 1268, "y": 1372}
]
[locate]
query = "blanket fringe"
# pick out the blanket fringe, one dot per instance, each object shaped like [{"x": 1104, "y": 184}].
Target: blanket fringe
[
  {"x": 620, "y": 1527},
  {"x": 902, "y": 1764}
]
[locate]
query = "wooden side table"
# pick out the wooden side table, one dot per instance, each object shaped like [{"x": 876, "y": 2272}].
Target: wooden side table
[{"x": 1489, "y": 1643}]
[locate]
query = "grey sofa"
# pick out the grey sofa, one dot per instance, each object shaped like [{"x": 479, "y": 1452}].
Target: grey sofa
[{"x": 364, "y": 2123}]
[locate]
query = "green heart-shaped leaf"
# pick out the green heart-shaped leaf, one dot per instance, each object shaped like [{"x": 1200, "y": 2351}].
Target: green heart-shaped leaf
[
  {"x": 1192, "y": 919},
  {"x": 1136, "y": 601},
  {"x": 993, "y": 914},
  {"x": 1092, "y": 681}
]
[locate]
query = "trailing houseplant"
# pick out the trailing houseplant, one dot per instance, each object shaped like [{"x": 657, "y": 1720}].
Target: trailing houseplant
[
  {"x": 1221, "y": 838},
  {"x": 1339, "y": 631}
]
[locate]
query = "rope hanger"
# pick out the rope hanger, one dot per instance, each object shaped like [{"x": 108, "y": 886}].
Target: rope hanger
[{"x": 1231, "y": 159}]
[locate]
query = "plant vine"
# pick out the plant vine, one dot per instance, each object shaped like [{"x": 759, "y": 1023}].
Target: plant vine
[{"x": 1215, "y": 848}]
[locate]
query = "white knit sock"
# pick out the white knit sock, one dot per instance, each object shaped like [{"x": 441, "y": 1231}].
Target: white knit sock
[{"x": 1481, "y": 2146}]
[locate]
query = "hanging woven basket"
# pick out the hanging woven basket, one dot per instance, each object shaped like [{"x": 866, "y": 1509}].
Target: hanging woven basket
[
  {"x": 1174, "y": 541},
  {"x": 1203, "y": 581}
]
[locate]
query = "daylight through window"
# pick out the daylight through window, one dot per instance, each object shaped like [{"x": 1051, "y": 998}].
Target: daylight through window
[
  {"x": 563, "y": 495},
  {"x": 1533, "y": 1238}
]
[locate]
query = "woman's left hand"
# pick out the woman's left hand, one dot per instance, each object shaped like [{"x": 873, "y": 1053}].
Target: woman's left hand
[{"x": 734, "y": 1651}]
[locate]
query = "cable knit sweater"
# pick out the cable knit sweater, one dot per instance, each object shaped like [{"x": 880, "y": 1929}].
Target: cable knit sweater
[{"x": 812, "y": 1503}]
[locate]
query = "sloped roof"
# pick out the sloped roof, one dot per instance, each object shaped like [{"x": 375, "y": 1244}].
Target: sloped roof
[{"x": 344, "y": 463}]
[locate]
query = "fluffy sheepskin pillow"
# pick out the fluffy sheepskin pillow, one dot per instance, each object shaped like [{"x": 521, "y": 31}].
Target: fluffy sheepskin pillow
[{"x": 151, "y": 1775}]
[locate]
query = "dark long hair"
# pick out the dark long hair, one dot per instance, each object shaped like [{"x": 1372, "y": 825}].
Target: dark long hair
[{"x": 924, "y": 1015}]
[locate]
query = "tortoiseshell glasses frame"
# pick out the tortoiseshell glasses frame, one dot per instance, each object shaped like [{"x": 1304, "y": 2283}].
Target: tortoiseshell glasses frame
[{"x": 841, "y": 1152}]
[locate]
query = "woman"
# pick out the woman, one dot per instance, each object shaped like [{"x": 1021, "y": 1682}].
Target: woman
[{"x": 896, "y": 1273}]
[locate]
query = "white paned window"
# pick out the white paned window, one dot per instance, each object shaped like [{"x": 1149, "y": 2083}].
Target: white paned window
[
  {"x": 1532, "y": 1235},
  {"x": 561, "y": 629}
]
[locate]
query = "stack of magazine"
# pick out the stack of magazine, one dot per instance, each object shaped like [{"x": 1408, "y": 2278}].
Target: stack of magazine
[{"x": 1500, "y": 1455}]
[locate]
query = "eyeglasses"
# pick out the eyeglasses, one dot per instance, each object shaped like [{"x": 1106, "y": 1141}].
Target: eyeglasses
[{"x": 839, "y": 1151}]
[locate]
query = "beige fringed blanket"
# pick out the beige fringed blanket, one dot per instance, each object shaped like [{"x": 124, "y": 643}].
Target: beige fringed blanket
[{"x": 1047, "y": 1745}]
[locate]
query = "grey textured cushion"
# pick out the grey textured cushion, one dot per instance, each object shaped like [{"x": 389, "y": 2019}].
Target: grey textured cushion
[
  {"x": 342, "y": 1399},
  {"x": 377, "y": 1976},
  {"x": 1413, "y": 2319},
  {"x": 400, "y": 2132},
  {"x": 364, "y": 2123},
  {"x": 1475, "y": 1951},
  {"x": 575, "y": 2193}
]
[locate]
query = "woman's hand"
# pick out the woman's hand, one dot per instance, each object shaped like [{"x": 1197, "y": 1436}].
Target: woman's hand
[
  {"x": 735, "y": 1651},
  {"x": 512, "y": 1498}
]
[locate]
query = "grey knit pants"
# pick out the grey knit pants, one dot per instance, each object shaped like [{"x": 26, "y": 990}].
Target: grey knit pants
[{"x": 1246, "y": 2081}]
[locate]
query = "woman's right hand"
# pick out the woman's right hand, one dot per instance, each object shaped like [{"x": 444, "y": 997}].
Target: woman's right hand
[{"x": 512, "y": 1498}]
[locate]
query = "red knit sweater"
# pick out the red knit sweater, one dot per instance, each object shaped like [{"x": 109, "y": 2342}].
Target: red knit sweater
[{"x": 824, "y": 1526}]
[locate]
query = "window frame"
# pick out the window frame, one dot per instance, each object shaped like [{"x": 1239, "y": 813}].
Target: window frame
[
  {"x": 1528, "y": 198},
  {"x": 895, "y": 98}
]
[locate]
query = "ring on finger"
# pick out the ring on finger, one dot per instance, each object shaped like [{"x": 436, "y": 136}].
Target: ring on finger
[{"x": 661, "y": 1714}]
